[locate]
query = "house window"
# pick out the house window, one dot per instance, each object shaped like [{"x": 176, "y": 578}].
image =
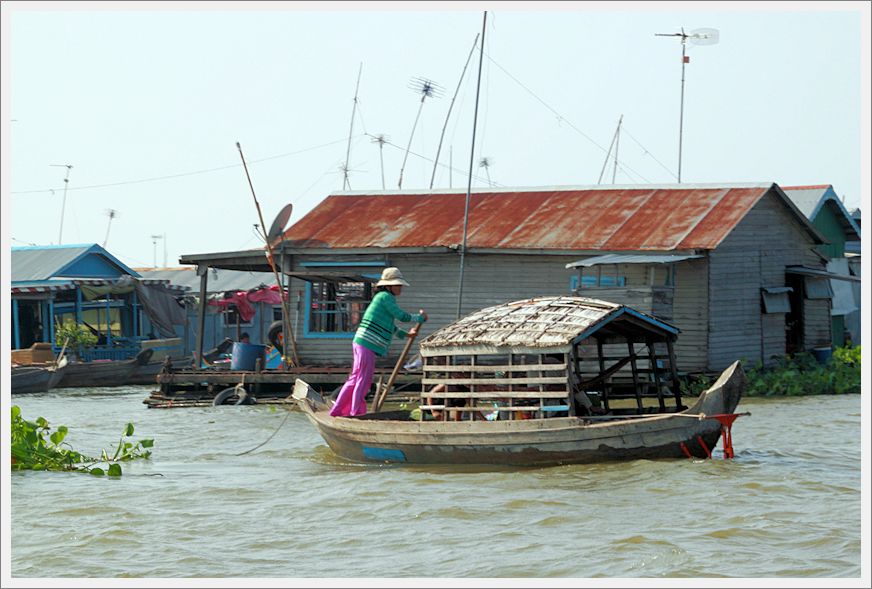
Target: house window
[
  {"x": 277, "y": 313},
  {"x": 596, "y": 280},
  {"x": 336, "y": 308},
  {"x": 230, "y": 315},
  {"x": 776, "y": 299}
]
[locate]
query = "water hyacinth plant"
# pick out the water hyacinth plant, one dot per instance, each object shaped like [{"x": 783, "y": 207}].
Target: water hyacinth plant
[{"x": 36, "y": 447}]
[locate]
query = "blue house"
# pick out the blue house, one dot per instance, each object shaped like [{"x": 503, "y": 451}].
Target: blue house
[{"x": 85, "y": 284}]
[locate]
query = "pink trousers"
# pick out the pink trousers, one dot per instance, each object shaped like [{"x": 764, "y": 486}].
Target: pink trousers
[{"x": 352, "y": 397}]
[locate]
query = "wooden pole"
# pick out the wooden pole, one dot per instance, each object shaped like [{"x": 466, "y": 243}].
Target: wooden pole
[
  {"x": 203, "y": 271},
  {"x": 380, "y": 395}
]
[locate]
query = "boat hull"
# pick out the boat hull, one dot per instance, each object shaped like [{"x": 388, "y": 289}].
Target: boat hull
[{"x": 535, "y": 442}]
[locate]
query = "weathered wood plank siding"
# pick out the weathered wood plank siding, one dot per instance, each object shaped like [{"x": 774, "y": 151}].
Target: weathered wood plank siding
[
  {"x": 690, "y": 310},
  {"x": 488, "y": 280},
  {"x": 755, "y": 255}
]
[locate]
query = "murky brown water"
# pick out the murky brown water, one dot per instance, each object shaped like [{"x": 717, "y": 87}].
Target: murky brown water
[{"x": 787, "y": 506}]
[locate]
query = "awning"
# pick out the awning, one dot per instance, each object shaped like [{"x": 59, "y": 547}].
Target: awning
[
  {"x": 314, "y": 276},
  {"x": 632, "y": 259},
  {"x": 819, "y": 273}
]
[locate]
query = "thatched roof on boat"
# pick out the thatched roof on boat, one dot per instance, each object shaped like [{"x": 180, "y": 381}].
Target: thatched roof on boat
[{"x": 542, "y": 325}]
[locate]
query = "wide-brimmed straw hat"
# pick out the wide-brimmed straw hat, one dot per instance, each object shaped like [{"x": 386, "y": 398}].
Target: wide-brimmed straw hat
[{"x": 392, "y": 277}]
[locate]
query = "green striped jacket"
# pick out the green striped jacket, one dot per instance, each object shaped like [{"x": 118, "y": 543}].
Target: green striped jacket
[{"x": 377, "y": 327}]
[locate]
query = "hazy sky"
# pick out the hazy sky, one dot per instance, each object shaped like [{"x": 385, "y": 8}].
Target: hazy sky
[{"x": 147, "y": 101}]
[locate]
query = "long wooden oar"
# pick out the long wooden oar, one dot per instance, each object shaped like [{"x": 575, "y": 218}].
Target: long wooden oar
[{"x": 381, "y": 394}]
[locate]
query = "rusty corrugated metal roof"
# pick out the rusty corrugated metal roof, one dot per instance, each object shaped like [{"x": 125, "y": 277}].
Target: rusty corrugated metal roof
[{"x": 623, "y": 218}]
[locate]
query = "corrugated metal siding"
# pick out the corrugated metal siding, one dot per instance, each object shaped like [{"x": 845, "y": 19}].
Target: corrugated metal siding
[{"x": 661, "y": 219}]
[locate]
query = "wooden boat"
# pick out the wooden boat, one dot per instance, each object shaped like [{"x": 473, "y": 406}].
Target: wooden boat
[
  {"x": 36, "y": 378},
  {"x": 110, "y": 373},
  {"x": 530, "y": 366}
]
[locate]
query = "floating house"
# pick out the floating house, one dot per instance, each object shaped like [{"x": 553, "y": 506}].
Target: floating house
[
  {"x": 736, "y": 267},
  {"x": 238, "y": 302},
  {"x": 87, "y": 285},
  {"x": 822, "y": 206}
]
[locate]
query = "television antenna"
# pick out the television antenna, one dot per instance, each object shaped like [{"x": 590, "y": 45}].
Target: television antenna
[
  {"x": 111, "y": 213},
  {"x": 64, "y": 202},
  {"x": 704, "y": 36},
  {"x": 154, "y": 239},
  {"x": 486, "y": 163},
  {"x": 427, "y": 89},
  {"x": 381, "y": 139}
]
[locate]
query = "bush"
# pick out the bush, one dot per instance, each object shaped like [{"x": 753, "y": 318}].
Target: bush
[
  {"x": 798, "y": 375},
  {"x": 802, "y": 374},
  {"x": 75, "y": 336}
]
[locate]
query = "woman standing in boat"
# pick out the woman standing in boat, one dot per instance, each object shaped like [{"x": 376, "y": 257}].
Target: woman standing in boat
[{"x": 373, "y": 337}]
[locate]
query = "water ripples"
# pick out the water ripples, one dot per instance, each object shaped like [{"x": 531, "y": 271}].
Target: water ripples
[{"x": 788, "y": 505}]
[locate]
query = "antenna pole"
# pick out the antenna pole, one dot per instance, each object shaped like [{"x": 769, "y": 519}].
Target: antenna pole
[
  {"x": 269, "y": 257},
  {"x": 64, "y": 201},
  {"x": 409, "y": 146},
  {"x": 608, "y": 154},
  {"x": 165, "y": 249},
  {"x": 445, "y": 125},
  {"x": 681, "y": 115},
  {"x": 345, "y": 182},
  {"x": 469, "y": 178},
  {"x": 617, "y": 144}
]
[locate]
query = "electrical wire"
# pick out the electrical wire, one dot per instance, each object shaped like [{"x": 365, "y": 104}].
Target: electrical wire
[
  {"x": 184, "y": 174},
  {"x": 560, "y": 117}
]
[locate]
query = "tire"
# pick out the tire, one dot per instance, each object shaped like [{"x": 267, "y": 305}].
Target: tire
[
  {"x": 276, "y": 336},
  {"x": 225, "y": 397}
]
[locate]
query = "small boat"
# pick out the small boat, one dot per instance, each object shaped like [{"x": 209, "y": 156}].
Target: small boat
[
  {"x": 541, "y": 382},
  {"x": 103, "y": 373},
  {"x": 37, "y": 379}
]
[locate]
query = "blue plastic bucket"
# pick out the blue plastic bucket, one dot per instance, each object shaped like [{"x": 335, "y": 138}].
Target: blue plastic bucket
[
  {"x": 244, "y": 356},
  {"x": 822, "y": 355}
]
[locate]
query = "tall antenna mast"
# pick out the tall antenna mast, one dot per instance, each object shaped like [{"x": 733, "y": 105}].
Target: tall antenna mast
[
  {"x": 165, "y": 249},
  {"x": 450, "y": 106},
  {"x": 697, "y": 37},
  {"x": 617, "y": 144},
  {"x": 111, "y": 213},
  {"x": 381, "y": 139},
  {"x": 609, "y": 152},
  {"x": 469, "y": 179},
  {"x": 345, "y": 182},
  {"x": 427, "y": 89},
  {"x": 64, "y": 202}
]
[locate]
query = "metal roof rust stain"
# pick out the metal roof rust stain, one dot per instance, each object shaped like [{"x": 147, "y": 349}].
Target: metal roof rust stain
[{"x": 615, "y": 220}]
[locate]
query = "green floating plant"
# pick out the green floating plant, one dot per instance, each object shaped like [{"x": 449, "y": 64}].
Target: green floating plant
[{"x": 36, "y": 447}]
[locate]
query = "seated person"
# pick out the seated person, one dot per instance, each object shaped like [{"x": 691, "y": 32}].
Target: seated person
[{"x": 244, "y": 338}]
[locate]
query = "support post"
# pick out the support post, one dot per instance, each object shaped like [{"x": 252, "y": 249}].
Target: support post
[
  {"x": 16, "y": 328},
  {"x": 676, "y": 386},
  {"x": 203, "y": 272}
]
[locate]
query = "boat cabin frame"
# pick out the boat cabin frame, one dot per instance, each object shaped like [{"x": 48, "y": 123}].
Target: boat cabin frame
[{"x": 550, "y": 357}]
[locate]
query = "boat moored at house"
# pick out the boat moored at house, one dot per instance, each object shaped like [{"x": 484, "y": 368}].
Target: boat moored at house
[{"x": 551, "y": 380}]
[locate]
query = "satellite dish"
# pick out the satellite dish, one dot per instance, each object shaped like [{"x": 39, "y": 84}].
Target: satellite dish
[
  {"x": 704, "y": 36},
  {"x": 279, "y": 224}
]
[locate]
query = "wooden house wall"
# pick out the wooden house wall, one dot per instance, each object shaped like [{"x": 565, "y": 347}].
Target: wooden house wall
[
  {"x": 690, "y": 314},
  {"x": 752, "y": 256}
]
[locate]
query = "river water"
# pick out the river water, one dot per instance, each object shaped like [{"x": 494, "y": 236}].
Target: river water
[{"x": 788, "y": 505}]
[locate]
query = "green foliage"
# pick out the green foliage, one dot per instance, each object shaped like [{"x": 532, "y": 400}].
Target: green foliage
[
  {"x": 35, "y": 447},
  {"x": 802, "y": 374},
  {"x": 798, "y": 375},
  {"x": 76, "y": 336}
]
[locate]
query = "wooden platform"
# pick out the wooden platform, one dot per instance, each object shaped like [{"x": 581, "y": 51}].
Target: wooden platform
[{"x": 198, "y": 388}]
